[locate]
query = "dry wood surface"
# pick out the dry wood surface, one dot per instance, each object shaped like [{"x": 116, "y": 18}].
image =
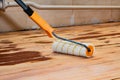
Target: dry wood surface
[{"x": 27, "y": 55}]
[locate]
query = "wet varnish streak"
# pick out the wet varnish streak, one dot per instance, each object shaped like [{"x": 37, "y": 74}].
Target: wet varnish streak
[
  {"x": 95, "y": 36},
  {"x": 21, "y": 57},
  {"x": 11, "y": 55}
]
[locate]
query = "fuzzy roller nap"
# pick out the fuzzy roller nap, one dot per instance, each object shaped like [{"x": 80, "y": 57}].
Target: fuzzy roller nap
[
  {"x": 66, "y": 46},
  {"x": 72, "y": 48},
  {"x": 60, "y": 44}
]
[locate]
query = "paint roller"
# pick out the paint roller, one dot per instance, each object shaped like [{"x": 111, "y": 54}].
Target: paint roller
[{"x": 60, "y": 45}]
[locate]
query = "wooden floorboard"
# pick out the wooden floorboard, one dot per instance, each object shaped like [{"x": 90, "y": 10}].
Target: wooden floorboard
[{"x": 27, "y": 55}]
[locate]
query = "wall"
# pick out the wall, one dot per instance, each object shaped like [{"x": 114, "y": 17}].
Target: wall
[{"x": 15, "y": 19}]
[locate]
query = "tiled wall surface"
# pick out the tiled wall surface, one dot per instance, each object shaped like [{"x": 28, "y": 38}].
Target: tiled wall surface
[{"x": 15, "y": 19}]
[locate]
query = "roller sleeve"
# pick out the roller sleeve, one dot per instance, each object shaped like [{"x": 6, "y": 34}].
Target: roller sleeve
[{"x": 72, "y": 48}]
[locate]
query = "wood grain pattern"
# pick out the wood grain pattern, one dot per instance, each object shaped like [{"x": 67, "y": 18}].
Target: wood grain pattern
[{"x": 27, "y": 55}]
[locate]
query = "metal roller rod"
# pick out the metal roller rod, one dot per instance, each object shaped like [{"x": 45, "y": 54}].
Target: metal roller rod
[{"x": 60, "y": 7}]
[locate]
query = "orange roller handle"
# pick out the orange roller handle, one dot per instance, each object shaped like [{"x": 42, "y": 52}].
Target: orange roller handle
[
  {"x": 42, "y": 23},
  {"x": 36, "y": 18}
]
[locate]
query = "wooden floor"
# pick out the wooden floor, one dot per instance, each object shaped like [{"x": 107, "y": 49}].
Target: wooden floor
[{"x": 27, "y": 55}]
